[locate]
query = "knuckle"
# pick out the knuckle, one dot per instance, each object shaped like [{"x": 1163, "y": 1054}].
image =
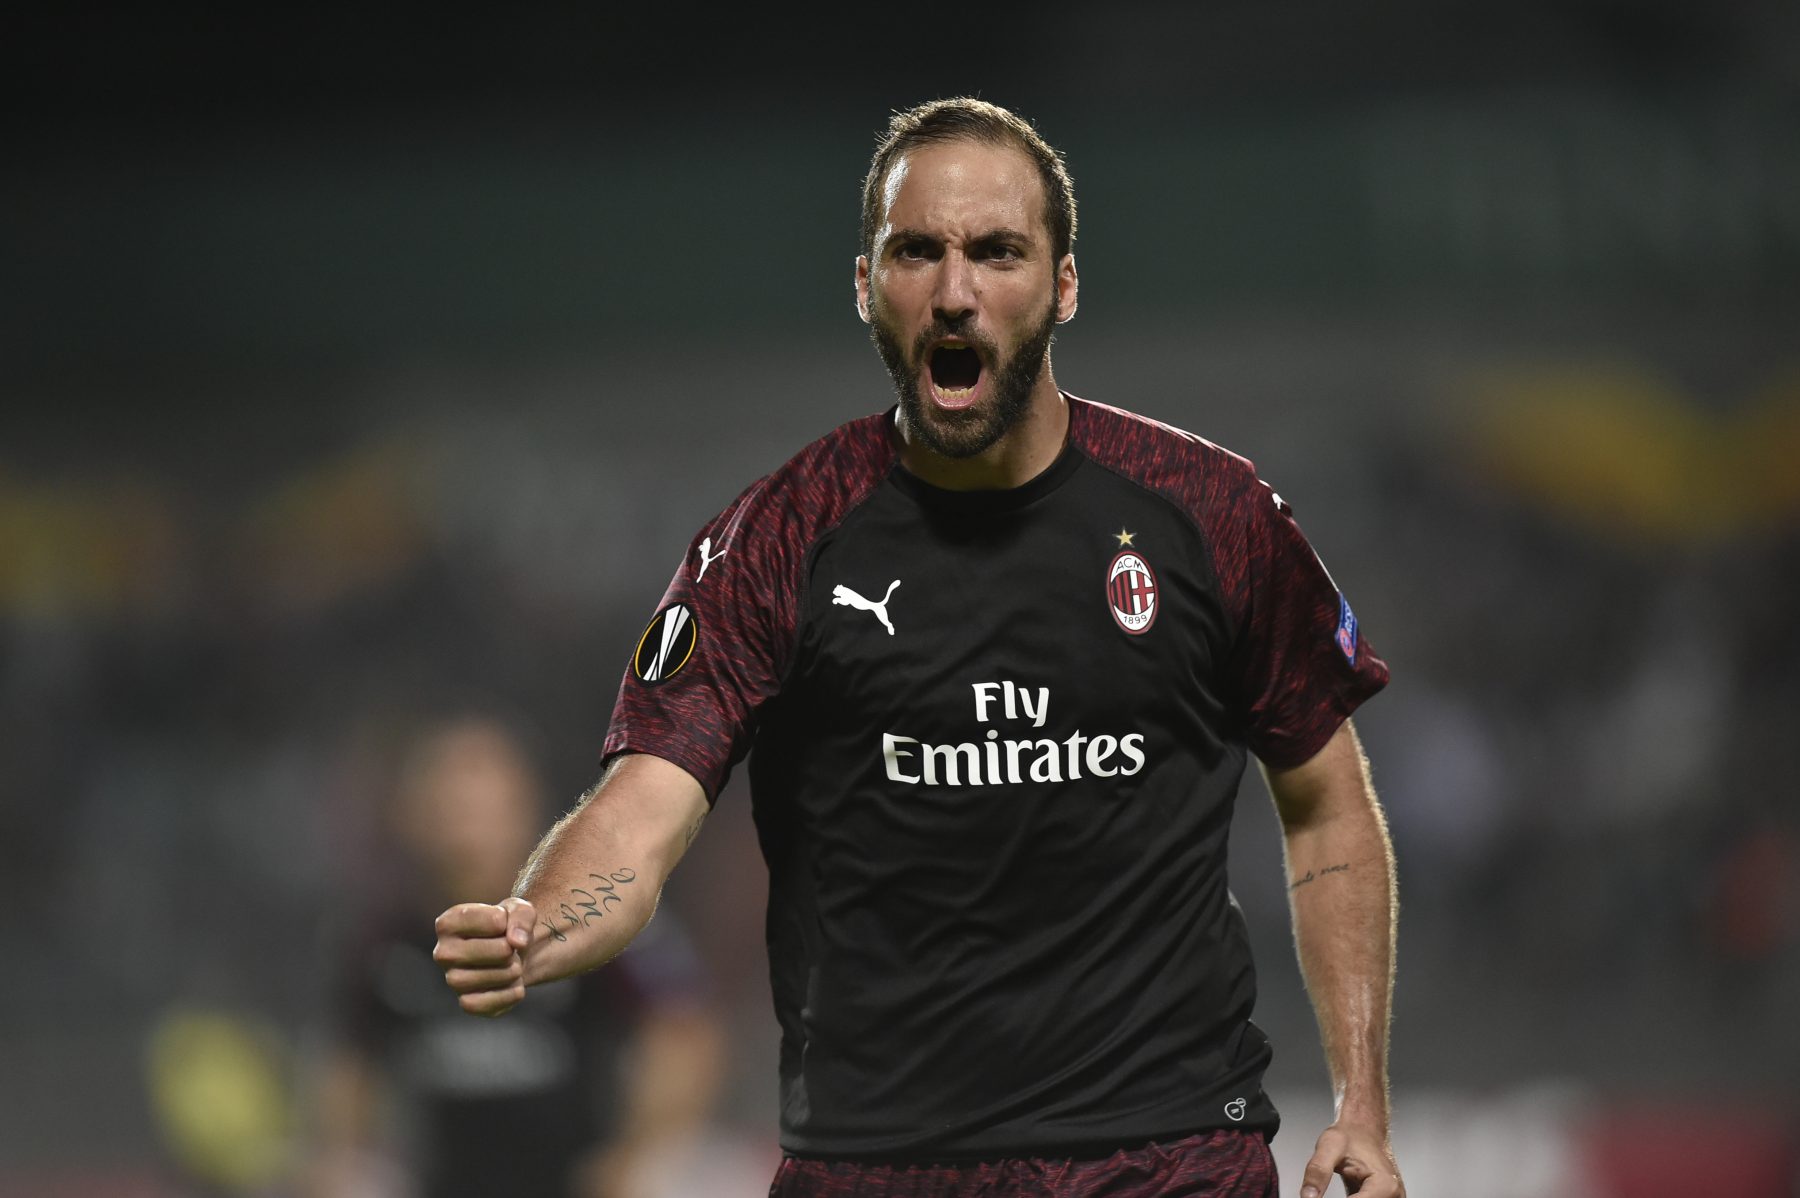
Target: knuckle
[
  {"x": 480, "y": 981},
  {"x": 491, "y": 1004}
]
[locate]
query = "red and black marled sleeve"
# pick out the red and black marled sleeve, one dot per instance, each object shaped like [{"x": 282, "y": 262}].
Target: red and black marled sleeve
[
  {"x": 1299, "y": 663},
  {"x": 724, "y": 633}
]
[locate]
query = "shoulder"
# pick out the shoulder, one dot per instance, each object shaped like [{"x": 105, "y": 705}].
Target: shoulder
[
  {"x": 765, "y": 534},
  {"x": 819, "y": 485},
  {"x": 1205, "y": 480}
]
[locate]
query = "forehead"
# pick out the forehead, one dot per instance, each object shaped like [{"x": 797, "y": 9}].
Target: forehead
[{"x": 964, "y": 187}]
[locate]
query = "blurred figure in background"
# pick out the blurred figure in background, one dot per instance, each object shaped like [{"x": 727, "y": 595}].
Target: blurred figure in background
[{"x": 588, "y": 1088}]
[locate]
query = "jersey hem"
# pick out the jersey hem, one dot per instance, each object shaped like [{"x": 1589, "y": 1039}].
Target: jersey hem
[{"x": 1078, "y": 1150}]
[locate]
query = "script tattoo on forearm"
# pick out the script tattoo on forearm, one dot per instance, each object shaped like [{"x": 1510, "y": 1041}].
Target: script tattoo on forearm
[
  {"x": 587, "y": 904},
  {"x": 1341, "y": 867}
]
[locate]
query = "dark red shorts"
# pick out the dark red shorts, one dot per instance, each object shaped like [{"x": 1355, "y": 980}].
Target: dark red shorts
[{"x": 1214, "y": 1164}]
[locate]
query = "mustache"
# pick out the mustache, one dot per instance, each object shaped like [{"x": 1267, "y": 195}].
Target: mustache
[{"x": 939, "y": 329}]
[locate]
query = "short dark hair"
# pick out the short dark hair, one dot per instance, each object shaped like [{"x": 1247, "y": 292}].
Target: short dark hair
[{"x": 966, "y": 119}]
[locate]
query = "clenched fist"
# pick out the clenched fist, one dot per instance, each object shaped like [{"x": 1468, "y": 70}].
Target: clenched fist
[{"x": 481, "y": 949}]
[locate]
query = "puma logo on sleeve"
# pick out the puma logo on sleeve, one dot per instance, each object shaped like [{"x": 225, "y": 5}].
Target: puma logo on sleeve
[{"x": 708, "y": 557}]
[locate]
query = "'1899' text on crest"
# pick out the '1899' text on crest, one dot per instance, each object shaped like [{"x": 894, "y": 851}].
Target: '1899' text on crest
[{"x": 1131, "y": 593}]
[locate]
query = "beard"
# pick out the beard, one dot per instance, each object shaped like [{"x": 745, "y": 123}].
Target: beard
[{"x": 973, "y": 430}]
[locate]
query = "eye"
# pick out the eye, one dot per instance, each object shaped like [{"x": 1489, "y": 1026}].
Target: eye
[
  {"x": 912, "y": 251},
  {"x": 999, "y": 251}
]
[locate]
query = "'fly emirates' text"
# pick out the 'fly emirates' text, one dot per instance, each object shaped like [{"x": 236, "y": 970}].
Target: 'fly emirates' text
[{"x": 993, "y": 761}]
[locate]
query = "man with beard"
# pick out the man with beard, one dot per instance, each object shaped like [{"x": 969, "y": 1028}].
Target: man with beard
[{"x": 1003, "y": 655}]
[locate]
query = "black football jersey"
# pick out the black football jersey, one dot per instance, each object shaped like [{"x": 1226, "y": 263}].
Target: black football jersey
[{"x": 997, "y": 738}]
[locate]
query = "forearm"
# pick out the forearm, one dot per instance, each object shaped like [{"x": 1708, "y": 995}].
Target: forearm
[
  {"x": 1342, "y": 895},
  {"x": 1340, "y": 875},
  {"x": 595, "y": 878}
]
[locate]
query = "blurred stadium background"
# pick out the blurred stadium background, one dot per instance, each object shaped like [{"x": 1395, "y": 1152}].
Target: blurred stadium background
[{"x": 354, "y": 364}]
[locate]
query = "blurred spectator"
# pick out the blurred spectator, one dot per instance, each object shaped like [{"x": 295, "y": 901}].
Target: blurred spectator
[{"x": 579, "y": 1093}]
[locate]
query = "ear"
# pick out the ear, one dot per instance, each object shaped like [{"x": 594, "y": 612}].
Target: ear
[
  {"x": 862, "y": 287},
  {"x": 1068, "y": 285}
]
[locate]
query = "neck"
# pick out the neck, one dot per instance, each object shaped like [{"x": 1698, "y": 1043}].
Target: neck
[{"x": 1021, "y": 455}]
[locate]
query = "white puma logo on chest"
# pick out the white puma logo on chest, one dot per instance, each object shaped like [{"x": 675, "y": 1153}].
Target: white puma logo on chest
[{"x": 843, "y": 596}]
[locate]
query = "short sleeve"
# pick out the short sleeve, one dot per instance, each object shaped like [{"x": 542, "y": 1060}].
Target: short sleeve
[
  {"x": 715, "y": 649},
  {"x": 1300, "y": 662}
]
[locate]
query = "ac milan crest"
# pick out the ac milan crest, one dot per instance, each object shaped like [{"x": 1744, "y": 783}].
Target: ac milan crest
[{"x": 1131, "y": 593}]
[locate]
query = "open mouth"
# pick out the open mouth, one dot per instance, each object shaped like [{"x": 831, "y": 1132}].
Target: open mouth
[{"x": 955, "y": 369}]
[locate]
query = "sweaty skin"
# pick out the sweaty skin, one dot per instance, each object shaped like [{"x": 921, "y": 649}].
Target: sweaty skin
[
  {"x": 965, "y": 247},
  {"x": 1341, "y": 889}
]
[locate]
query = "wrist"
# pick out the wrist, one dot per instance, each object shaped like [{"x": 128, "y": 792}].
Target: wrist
[{"x": 1363, "y": 1108}]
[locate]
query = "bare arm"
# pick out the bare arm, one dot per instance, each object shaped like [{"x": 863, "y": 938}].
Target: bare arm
[
  {"x": 588, "y": 888},
  {"x": 1340, "y": 869}
]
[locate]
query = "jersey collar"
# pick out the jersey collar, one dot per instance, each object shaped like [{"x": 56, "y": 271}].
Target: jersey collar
[{"x": 978, "y": 503}]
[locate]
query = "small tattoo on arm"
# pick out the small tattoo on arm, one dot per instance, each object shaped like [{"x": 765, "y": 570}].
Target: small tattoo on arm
[
  {"x": 1309, "y": 875},
  {"x": 693, "y": 831},
  {"x": 589, "y": 903}
]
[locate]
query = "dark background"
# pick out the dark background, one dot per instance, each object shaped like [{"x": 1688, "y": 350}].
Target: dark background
[{"x": 356, "y": 364}]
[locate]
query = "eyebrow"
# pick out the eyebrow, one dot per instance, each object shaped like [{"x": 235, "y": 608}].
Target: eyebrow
[{"x": 1002, "y": 233}]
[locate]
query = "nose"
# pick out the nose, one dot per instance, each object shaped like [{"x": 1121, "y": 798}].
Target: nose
[{"x": 953, "y": 299}]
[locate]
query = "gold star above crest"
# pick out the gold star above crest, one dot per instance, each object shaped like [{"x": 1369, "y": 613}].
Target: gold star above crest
[{"x": 1124, "y": 538}]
